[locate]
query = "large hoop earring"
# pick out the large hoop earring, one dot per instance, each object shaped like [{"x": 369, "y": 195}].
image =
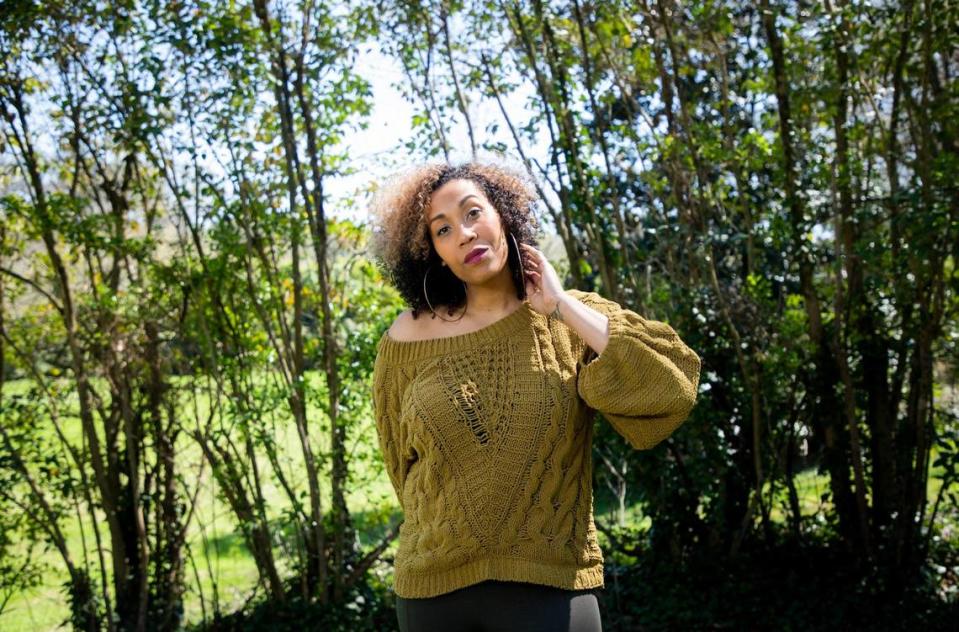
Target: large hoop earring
[
  {"x": 426, "y": 296},
  {"x": 517, "y": 245},
  {"x": 519, "y": 265}
]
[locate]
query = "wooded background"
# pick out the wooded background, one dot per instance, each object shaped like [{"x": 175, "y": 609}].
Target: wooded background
[{"x": 188, "y": 317}]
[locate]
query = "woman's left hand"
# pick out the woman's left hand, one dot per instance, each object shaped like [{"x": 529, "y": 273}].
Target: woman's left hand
[{"x": 543, "y": 286}]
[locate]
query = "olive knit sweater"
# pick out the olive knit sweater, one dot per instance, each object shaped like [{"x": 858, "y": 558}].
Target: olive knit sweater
[{"x": 486, "y": 438}]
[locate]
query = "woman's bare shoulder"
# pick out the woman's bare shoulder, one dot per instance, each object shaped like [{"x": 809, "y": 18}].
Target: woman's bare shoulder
[{"x": 405, "y": 328}]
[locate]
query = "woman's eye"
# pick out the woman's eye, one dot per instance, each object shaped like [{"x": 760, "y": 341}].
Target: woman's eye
[{"x": 477, "y": 210}]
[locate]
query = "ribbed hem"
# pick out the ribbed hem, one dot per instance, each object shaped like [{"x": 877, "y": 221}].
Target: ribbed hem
[
  {"x": 408, "y": 350},
  {"x": 431, "y": 584}
]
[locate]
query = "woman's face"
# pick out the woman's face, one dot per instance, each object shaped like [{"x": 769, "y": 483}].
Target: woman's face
[{"x": 461, "y": 220}]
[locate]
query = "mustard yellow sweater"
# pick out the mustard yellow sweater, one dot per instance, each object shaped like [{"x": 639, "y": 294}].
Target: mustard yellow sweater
[{"x": 486, "y": 438}]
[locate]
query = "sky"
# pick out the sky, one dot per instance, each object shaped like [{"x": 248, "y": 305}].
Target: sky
[{"x": 379, "y": 151}]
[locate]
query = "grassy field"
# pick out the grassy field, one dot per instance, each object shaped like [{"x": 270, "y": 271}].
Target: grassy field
[{"x": 219, "y": 566}]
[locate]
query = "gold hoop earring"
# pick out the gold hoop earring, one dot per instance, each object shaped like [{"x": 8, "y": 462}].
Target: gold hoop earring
[
  {"x": 519, "y": 259},
  {"x": 426, "y": 296},
  {"x": 517, "y": 248}
]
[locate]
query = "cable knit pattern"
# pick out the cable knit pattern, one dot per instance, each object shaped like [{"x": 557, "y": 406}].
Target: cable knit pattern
[{"x": 486, "y": 437}]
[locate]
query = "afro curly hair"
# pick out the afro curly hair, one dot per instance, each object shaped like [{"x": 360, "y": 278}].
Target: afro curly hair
[{"x": 401, "y": 244}]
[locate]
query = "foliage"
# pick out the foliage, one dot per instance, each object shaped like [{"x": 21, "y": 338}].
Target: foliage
[{"x": 187, "y": 328}]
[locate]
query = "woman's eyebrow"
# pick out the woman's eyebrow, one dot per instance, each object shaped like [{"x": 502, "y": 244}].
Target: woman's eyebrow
[{"x": 468, "y": 196}]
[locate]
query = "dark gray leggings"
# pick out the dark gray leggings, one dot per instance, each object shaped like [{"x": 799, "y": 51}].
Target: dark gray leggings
[{"x": 500, "y": 606}]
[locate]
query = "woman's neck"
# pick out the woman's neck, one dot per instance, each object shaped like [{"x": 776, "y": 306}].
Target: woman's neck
[{"x": 496, "y": 297}]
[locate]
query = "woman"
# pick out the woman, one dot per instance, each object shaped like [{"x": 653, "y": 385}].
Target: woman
[{"x": 484, "y": 410}]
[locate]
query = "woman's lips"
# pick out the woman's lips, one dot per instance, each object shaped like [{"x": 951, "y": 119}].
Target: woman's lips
[{"x": 473, "y": 258}]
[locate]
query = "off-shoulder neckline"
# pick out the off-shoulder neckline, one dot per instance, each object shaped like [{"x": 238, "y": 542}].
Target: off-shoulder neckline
[{"x": 410, "y": 349}]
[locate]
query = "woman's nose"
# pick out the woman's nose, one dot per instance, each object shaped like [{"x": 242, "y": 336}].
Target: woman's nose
[{"x": 467, "y": 234}]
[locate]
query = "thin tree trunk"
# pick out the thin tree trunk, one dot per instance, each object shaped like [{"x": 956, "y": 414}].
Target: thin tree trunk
[{"x": 828, "y": 427}]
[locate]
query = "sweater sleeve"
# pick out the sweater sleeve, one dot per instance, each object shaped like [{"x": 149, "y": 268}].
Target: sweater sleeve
[
  {"x": 646, "y": 379},
  {"x": 389, "y": 385}
]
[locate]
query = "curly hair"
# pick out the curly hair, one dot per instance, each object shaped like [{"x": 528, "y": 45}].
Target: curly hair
[{"x": 401, "y": 243}]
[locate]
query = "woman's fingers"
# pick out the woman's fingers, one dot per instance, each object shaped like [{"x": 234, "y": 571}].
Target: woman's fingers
[
  {"x": 535, "y": 265},
  {"x": 540, "y": 274}
]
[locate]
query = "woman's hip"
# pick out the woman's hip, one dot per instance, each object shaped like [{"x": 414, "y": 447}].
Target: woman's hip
[{"x": 494, "y": 606}]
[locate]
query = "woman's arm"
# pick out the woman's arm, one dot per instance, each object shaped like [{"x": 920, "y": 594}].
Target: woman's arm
[
  {"x": 645, "y": 381},
  {"x": 638, "y": 372},
  {"x": 389, "y": 384},
  {"x": 545, "y": 293},
  {"x": 591, "y": 325}
]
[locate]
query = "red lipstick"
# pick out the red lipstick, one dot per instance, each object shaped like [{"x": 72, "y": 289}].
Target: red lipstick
[{"x": 475, "y": 255}]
